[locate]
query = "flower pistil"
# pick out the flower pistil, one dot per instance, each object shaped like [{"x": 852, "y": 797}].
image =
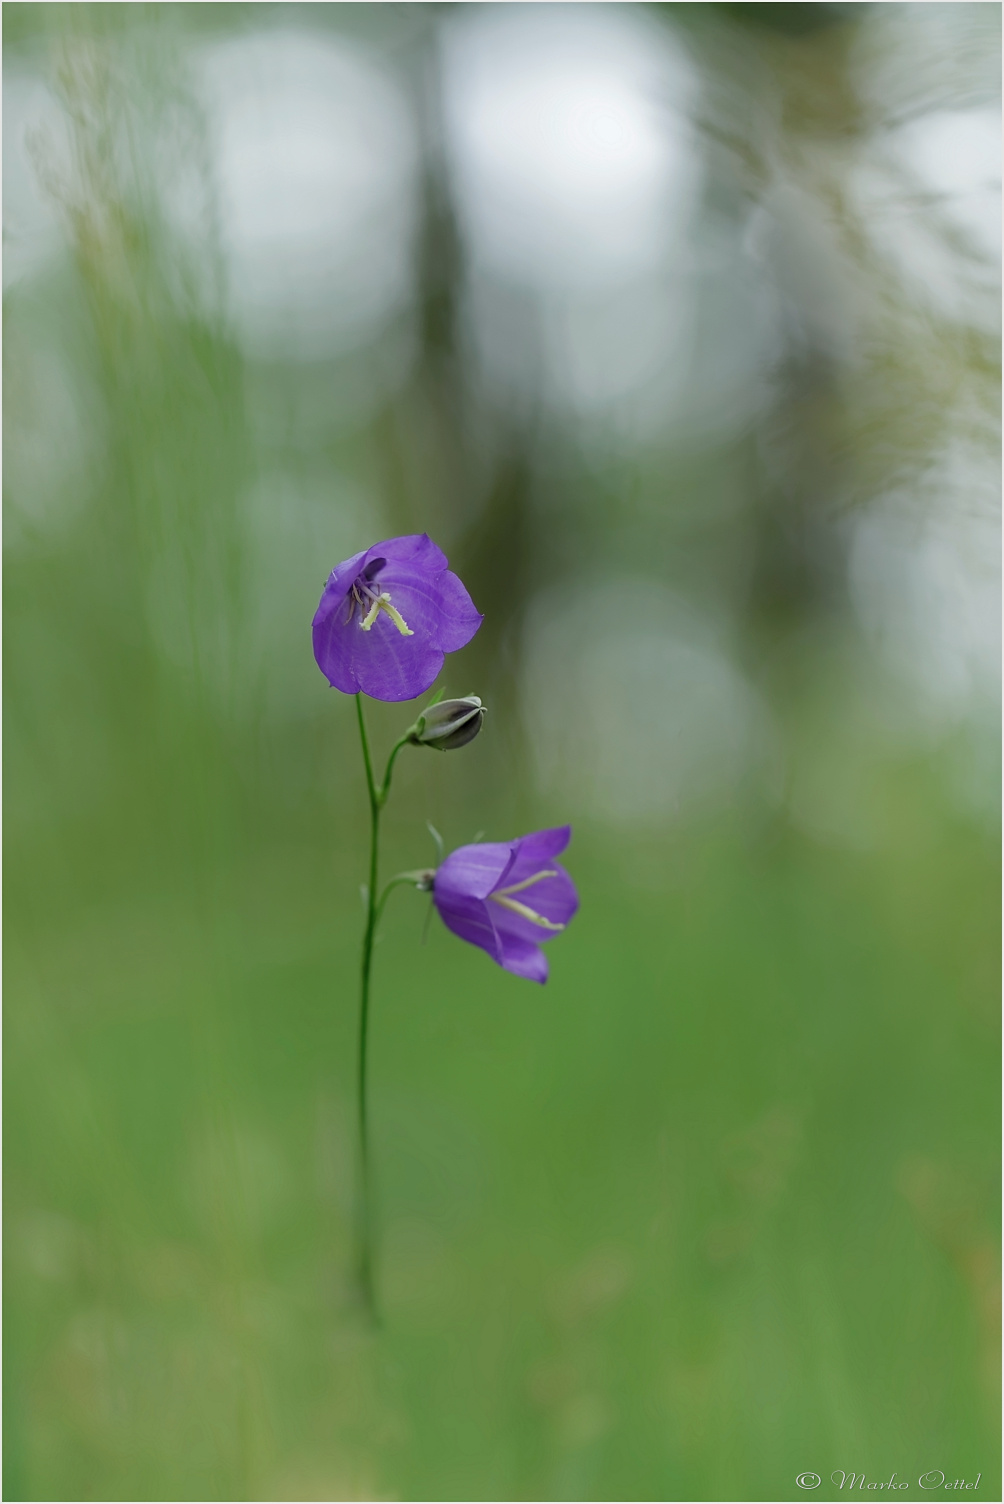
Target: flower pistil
[
  {"x": 371, "y": 602},
  {"x": 381, "y": 602}
]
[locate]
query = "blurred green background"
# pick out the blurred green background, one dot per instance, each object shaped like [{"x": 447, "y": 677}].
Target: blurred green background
[{"x": 677, "y": 327}]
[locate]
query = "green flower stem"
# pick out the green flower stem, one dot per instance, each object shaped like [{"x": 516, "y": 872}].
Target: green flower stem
[
  {"x": 385, "y": 786},
  {"x": 374, "y": 907}
]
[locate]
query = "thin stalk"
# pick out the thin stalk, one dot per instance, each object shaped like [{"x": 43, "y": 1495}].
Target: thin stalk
[
  {"x": 364, "y": 1230},
  {"x": 374, "y": 907}
]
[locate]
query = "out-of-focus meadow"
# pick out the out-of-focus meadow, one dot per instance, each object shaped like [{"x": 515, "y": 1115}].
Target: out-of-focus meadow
[{"x": 677, "y": 327}]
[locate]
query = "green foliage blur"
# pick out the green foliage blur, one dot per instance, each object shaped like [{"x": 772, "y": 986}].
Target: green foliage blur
[{"x": 717, "y": 1205}]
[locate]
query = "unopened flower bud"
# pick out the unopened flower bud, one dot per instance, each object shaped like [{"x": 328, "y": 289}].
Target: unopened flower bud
[{"x": 449, "y": 725}]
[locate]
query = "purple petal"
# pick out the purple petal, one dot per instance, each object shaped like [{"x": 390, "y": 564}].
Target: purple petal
[
  {"x": 468, "y": 918},
  {"x": 461, "y": 885},
  {"x": 331, "y": 645},
  {"x": 416, "y": 549},
  {"x": 434, "y": 605},
  {"x": 328, "y": 617},
  {"x": 523, "y": 959},
  {"x": 459, "y": 617},
  {"x": 536, "y": 851},
  {"x": 474, "y": 870},
  {"x": 329, "y": 624},
  {"x": 379, "y": 662},
  {"x": 341, "y": 577}
]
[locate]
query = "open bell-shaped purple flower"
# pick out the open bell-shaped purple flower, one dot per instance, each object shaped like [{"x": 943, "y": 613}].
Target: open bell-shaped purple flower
[
  {"x": 387, "y": 617},
  {"x": 508, "y": 897}
]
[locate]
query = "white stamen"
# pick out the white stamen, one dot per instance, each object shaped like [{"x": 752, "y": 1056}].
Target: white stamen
[
  {"x": 381, "y": 602},
  {"x": 528, "y": 882},
  {"x": 524, "y": 911}
]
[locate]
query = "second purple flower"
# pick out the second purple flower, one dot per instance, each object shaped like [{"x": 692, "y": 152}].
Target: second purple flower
[{"x": 508, "y": 897}]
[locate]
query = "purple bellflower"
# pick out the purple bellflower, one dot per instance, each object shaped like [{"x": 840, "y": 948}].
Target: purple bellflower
[
  {"x": 508, "y": 897},
  {"x": 387, "y": 617}
]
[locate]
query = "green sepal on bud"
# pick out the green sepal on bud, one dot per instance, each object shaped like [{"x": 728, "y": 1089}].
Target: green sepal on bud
[{"x": 448, "y": 725}]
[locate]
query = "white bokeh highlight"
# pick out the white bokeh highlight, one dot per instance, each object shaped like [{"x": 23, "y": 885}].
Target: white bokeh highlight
[
  {"x": 570, "y": 142},
  {"x": 34, "y": 130},
  {"x": 926, "y": 584},
  {"x": 928, "y": 192},
  {"x": 576, "y": 176},
  {"x": 313, "y": 152}
]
